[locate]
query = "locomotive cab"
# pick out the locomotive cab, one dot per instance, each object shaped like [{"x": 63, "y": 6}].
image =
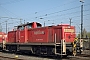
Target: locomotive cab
[
  {"x": 22, "y": 31},
  {"x": 29, "y": 25}
]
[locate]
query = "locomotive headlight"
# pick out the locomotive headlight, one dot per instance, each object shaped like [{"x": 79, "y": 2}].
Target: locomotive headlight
[{"x": 68, "y": 27}]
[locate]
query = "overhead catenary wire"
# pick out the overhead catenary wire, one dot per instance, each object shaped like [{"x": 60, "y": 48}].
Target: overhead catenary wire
[
  {"x": 67, "y": 18},
  {"x": 59, "y": 6},
  {"x": 45, "y": 15},
  {"x": 66, "y": 14},
  {"x": 57, "y": 12},
  {"x": 8, "y": 17},
  {"x": 72, "y": 17},
  {"x": 8, "y": 12},
  {"x": 36, "y": 12},
  {"x": 63, "y": 11},
  {"x": 52, "y": 7},
  {"x": 10, "y": 2}
]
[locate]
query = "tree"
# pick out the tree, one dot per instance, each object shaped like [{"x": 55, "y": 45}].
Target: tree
[
  {"x": 85, "y": 34},
  {"x": 88, "y": 34}
]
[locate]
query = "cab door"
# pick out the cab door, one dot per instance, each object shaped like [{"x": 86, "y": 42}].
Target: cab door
[{"x": 58, "y": 33}]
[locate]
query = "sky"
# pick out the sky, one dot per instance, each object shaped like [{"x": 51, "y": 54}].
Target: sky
[{"x": 52, "y": 12}]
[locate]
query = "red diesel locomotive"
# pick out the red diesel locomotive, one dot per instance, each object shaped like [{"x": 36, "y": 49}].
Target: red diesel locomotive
[
  {"x": 48, "y": 40},
  {"x": 3, "y": 39}
]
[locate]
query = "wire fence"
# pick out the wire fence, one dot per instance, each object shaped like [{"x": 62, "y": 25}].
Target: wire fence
[{"x": 86, "y": 43}]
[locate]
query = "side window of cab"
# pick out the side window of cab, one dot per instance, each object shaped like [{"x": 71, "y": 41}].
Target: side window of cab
[
  {"x": 21, "y": 27},
  {"x": 29, "y": 26}
]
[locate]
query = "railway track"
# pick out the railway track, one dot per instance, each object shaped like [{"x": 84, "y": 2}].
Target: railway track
[
  {"x": 11, "y": 56},
  {"x": 8, "y": 58},
  {"x": 84, "y": 55}
]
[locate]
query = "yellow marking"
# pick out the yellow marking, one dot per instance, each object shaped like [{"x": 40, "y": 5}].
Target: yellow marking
[{"x": 69, "y": 30}]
